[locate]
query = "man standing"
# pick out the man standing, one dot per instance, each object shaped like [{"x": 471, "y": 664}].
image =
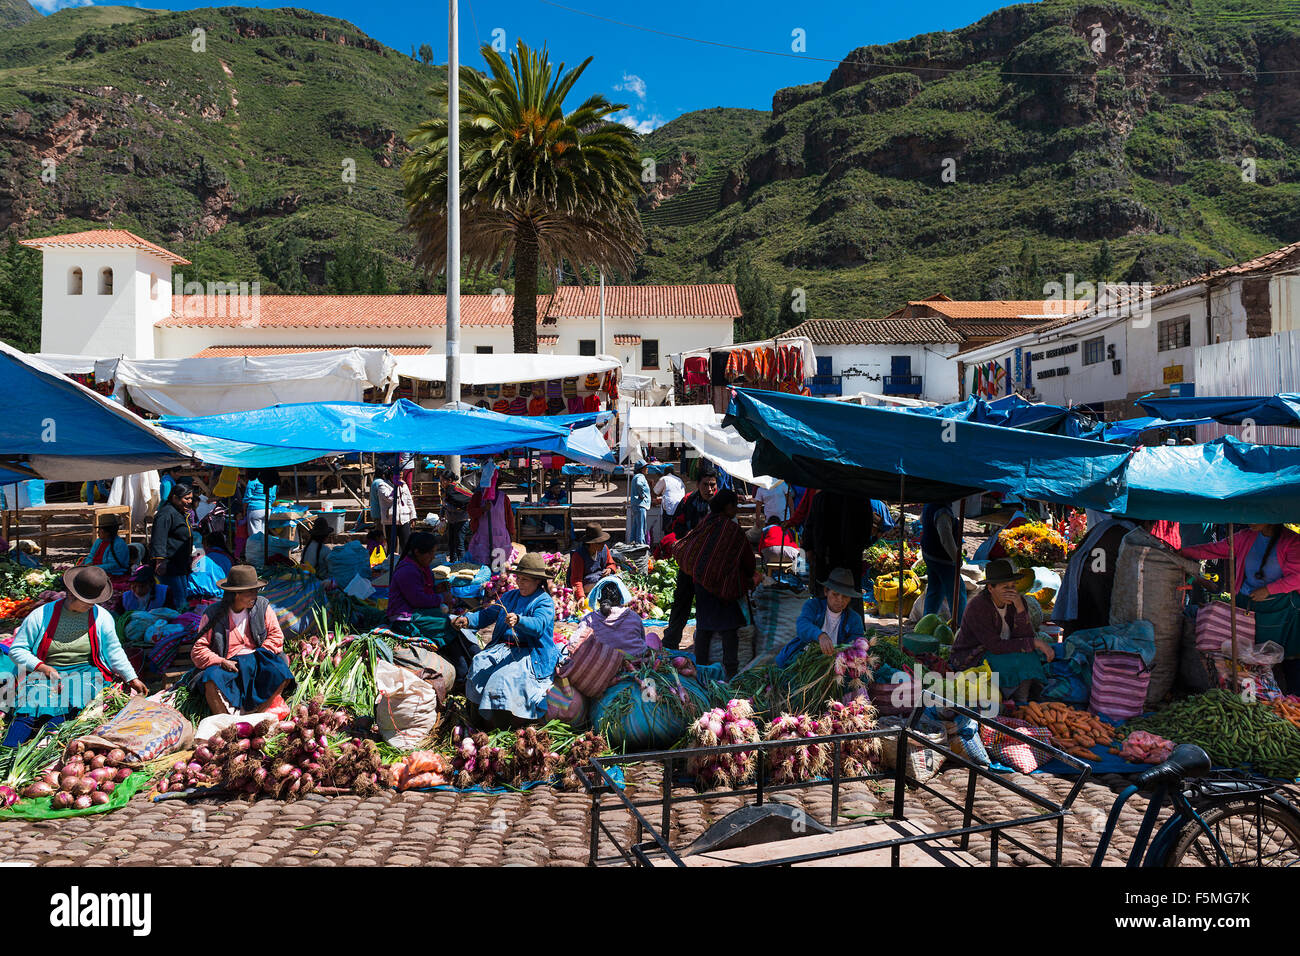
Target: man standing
[
  {"x": 669, "y": 492},
  {"x": 171, "y": 545},
  {"x": 693, "y": 510},
  {"x": 638, "y": 509},
  {"x": 943, "y": 559}
]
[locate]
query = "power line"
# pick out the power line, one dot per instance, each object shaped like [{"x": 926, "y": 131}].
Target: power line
[{"x": 883, "y": 66}]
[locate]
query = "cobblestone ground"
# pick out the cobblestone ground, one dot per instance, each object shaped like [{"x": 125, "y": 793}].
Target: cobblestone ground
[{"x": 543, "y": 827}]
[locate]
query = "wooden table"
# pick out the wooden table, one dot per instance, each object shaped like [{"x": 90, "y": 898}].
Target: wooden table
[
  {"x": 41, "y": 514},
  {"x": 541, "y": 511}
]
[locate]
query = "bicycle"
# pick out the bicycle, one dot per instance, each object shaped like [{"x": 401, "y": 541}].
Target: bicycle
[{"x": 1215, "y": 816}]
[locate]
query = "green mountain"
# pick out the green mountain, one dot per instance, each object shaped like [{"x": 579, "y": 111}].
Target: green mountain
[
  {"x": 261, "y": 144},
  {"x": 14, "y": 13},
  {"x": 1164, "y": 130}
]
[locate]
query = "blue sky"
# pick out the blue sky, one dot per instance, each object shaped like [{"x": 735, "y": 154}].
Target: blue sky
[{"x": 659, "y": 77}]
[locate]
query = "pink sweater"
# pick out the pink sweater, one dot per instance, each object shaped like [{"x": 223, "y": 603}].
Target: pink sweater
[
  {"x": 1288, "y": 556},
  {"x": 237, "y": 642}
]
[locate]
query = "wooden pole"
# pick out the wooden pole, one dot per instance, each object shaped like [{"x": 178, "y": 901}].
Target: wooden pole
[
  {"x": 1232, "y": 603},
  {"x": 957, "y": 579},
  {"x": 902, "y": 552}
]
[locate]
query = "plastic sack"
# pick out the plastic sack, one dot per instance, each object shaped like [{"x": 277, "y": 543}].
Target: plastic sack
[
  {"x": 406, "y": 707},
  {"x": 145, "y": 728},
  {"x": 348, "y": 561},
  {"x": 922, "y": 762},
  {"x": 1270, "y": 652}
]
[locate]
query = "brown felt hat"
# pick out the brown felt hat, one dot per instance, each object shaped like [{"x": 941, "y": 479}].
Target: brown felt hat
[
  {"x": 533, "y": 565},
  {"x": 1000, "y": 571},
  {"x": 242, "y": 577},
  {"x": 841, "y": 582},
  {"x": 89, "y": 584},
  {"x": 594, "y": 534}
]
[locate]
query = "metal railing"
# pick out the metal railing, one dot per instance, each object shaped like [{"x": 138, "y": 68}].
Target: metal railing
[
  {"x": 902, "y": 384},
  {"x": 600, "y": 783}
]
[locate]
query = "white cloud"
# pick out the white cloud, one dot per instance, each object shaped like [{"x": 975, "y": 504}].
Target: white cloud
[
  {"x": 632, "y": 84},
  {"x": 647, "y": 125},
  {"x": 49, "y": 6}
]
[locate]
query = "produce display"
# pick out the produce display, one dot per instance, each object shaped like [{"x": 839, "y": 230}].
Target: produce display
[
  {"x": 722, "y": 726},
  {"x": 1287, "y": 707},
  {"x": 1233, "y": 732},
  {"x": 1143, "y": 747},
  {"x": 1074, "y": 731},
  {"x": 802, "y": 761},
  {"x": 1034, "y": 544},
  {"x": 883, "y": 559},
  {"x": 87, "y": 777}
]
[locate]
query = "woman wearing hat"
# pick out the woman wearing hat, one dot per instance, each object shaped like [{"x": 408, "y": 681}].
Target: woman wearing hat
[
  {"x": 590, "y": 561},
  {"x": 239, "y": 648},
  {"x": 826, "y": 621},
  {"x": 508, "y": 680},
  {"x": 145, "y": 593},
  {"x": 171, "y": 544},
  {"x": 996, "y": 628},
  {"x": 66, "y": 651},
  {"x": 638, "y": 511},
  {"x": 110, "y": 551}
]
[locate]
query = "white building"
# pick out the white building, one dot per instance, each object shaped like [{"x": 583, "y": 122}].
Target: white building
[
  {"x": 108, "y": 293},
  {"x": 1138, "y": 342},
  {"x": 912, "y": 358}
]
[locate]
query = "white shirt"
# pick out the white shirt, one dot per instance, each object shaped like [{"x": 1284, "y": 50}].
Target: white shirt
[
  {"x": 773, "y": 500},
  {"x": 671, "y": 489},
  {"x": 831, "y": 625}
]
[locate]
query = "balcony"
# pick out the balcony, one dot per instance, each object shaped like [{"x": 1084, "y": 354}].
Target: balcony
[
  {"x": 824, "y": 385},
  {"x": 902, "y": 385}
]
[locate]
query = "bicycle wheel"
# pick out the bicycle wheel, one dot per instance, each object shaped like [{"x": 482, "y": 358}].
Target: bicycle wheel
[{"x": 1250, "y": 833}]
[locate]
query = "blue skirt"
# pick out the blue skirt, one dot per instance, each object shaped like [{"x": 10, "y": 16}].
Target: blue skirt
[
  {"x": 501, "y": 679},
  {"x": 248, "y": 688}
]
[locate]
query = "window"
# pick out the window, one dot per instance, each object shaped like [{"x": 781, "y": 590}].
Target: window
[
  {"x": 105, "y": 281},
  {"x": 153, "y": 285},
  {"x": 586, "y": 346},
  {"x": 1174, "y": 333},
  {"x": 482, "y": 350},
  {"x": 74, "y": 280},
  {"x": 649, "y": 353},
  {"x": 1094, "y": 350}
]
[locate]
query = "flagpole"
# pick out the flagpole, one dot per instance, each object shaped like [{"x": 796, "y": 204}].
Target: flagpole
[{"x": 453, "y": 213}]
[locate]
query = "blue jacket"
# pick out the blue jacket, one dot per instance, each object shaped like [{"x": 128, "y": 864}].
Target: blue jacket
[
  {"x": 31, "y": 632},
  {"x": 535, "y": 630},
  {"x": 640, "y": 492},
  {"x": 809, "y": 627}
]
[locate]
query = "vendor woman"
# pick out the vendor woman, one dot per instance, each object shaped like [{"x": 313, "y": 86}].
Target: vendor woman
[
  {"x": 826, "y": 622},
  {"x": 417, "y": 601},
  {"x": 1268, "y": 584},
  {"x": 590, "y": 561},
  {"x": 110, "y": 552},
  {"x": 509, "y": 679},
  {"x": 145, "y": 593},
  {"x": 996, "y": 628},
  {"x": 67, "y": 650},
  {"x": 239, "y": 648}
]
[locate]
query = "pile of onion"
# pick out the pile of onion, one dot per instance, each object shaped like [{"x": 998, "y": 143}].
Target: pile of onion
[
  {"x": 720, "y": 727},
  {"x": 801, "y": 762},
  {"x": 855, "y": 716},
  {"x": 475, "y": 760},
  {"x": 86, "y": 778}
]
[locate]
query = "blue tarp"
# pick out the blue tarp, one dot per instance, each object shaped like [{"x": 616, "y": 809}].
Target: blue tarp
[
  {"x": 1011, "y": 411},
  {"x": 1129, "y": 430},
  {"x": 1221, "y": 481},
  {"x": 1281, "y": 409},
  {"x": 863, "y": 450},
  {"x": 287, "y": 434}
]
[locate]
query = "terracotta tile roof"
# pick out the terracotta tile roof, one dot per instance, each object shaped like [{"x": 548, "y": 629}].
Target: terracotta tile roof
[
  {"x": 647, "y": 301},
  {"x": 92, "y": 238},
  {"x": 226, "y": 351},
  {"x": 1287, "y": 255},
  {"x": 627, "y": 340},
  {"x": 430, "y": 311},
  {"x": 876, "y": 332},
  {"x": 339, "y": 311},
  {"x": 548, "y": 340},
  {"x": 1002, "y": 308}
]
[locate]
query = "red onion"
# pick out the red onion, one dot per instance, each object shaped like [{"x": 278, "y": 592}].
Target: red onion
[
  {"x": 285, "y": 726},
  {"x": 8, "y": 796},
  {"x": 82, "y": 802},
  {"x": 244, "y": 729},
  {"x": 62, "y": 800},
  {"x": 75, "y": 767},
  {"x": 100, "y": 774},
  {"x": 108, "y": 786},
  {"x": 76, "y": 747},
  {"x": 259, "y": 776},
  {"x": 97, "y": 761},
  {"x": 41, "y": 788},
  {"x": 67, "y": 781},
  {"x": 123, "y": 773},
  {"x": 283, "y": 770},
  {"x": 193, "y": 768},
  {"x": 179, "y": 765},
  {"x": 98, "y": 798},
  {"x": 258, "y": 743},
  {"x": 161, "y": 786},
  {"x": 202, "y": 755},
  {"x": 116, "y": 755},
  {"x": 242, "y": 745},
  {"x": 52, "y": 778}
]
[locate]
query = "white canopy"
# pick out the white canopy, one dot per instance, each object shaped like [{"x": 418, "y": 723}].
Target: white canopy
[
  {"x": 69, "y": 364},
  {"x": 501, "y": 367},
  {"x": 700, "y": 427},
  {"x": 216, "y": 386}
]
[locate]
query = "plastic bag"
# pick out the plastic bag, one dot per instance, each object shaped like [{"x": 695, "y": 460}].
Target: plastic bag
[
  {"x": 1248, "y": 652},
  {"x": 406, "y": 708}
]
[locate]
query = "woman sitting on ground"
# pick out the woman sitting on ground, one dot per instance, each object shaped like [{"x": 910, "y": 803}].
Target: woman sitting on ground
[
  {"x": 66, "y": 651},
  {"x": 827, "y": 622},
  {"x": 590, "y": 561},
  {"x": 317, "y": 552},
  {"x": 996, "y": 628},
  {"x": 508, "y": 680},
  {"x": 145, "y": 593},
  {"x": 110, "y": 552},
  {"x": 239, "y": 648}
]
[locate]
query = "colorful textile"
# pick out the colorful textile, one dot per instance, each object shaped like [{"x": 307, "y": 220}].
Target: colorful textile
[{"x": 718, "y": 557}]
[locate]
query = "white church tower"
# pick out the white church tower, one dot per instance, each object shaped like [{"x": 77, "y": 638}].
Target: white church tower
[{"x": 102, "y": 291}]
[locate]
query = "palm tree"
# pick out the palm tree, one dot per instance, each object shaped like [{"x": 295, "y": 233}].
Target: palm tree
[{"x": 538, "y": 186}]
